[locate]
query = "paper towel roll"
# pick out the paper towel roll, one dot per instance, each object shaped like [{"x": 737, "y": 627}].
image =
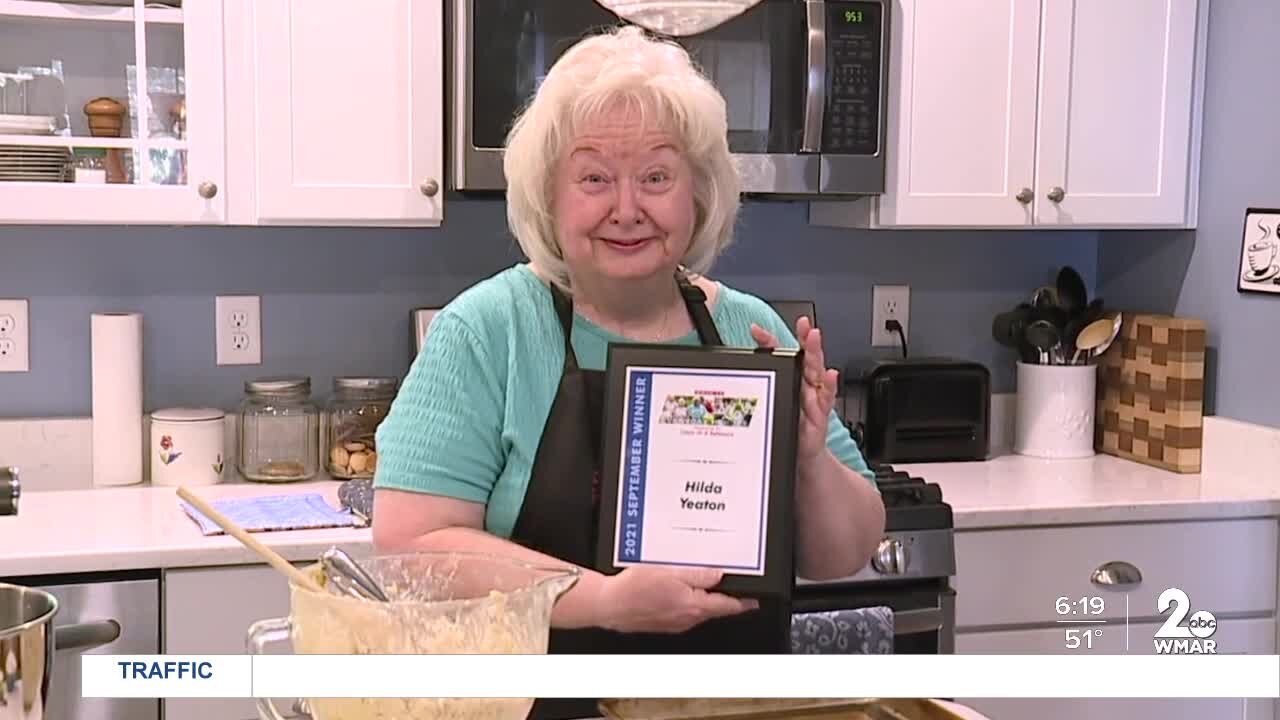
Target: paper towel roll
[{"x": 116, "y": 346}]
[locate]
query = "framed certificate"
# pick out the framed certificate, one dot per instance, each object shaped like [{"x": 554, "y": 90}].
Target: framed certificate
[{"x": 699, "y": 462}]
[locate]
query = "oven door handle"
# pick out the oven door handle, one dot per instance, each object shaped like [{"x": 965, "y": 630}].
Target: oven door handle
[
  {"x": 86, "y": 636},
  {"x": 910, "y": 622},
  {"x": 815, "y": 94}
]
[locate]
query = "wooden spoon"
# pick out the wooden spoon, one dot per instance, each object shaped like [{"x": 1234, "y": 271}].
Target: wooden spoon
[
  {"x": 271, "y": 556},
  {"x": 1092, "y": 337}
]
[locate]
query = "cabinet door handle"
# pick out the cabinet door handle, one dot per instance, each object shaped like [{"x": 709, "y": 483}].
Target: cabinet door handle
[
  {"x": 430, "y": 188},
  {"x": 208, "y": 190},
  {"x": 1025, "y": 195},
  {"x": 84, "y": 636},
  {"x": 1116, "y": 573},
  {"x": 1056, "y": 194}
]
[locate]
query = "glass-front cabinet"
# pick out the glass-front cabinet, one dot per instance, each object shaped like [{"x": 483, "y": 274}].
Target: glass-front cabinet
[{"x": 112, "y": 111}]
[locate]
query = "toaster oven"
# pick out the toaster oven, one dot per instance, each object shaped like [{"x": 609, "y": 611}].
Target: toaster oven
[{"x": 921, "y": 409}]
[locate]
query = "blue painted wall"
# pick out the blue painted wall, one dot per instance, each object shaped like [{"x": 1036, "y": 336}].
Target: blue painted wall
[
  {"x": 1195, "y": 273},
  {"x": 337, "y": 301}
]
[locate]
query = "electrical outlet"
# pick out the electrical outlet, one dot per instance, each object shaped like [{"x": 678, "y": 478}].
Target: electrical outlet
[
  {"x": 15, "y": 336},
  {"x": 238, "y": 329},
  {"x": 889, "y": 302}
]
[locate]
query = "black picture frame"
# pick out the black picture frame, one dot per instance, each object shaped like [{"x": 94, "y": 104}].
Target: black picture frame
[
  {"x": 1261, "y": 229},
  {"x": 778, "y": 578}
]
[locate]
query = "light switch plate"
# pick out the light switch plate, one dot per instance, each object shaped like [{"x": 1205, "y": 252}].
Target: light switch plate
[
  {"x": 15, "y": 336},
  {"x": 238, "y": 329}
]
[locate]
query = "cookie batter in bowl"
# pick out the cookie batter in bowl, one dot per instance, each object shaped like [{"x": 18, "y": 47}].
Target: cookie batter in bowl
[{"x": 441, "y": 603}]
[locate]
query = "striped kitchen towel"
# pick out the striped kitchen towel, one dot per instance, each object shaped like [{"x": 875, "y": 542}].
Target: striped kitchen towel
[{"x": 274, "y": 512}]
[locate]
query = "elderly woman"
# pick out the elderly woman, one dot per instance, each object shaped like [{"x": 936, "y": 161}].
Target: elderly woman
[{"x": 621, "y": 192}]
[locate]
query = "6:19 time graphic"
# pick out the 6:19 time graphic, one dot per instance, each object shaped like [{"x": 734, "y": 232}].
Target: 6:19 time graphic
[{"x": 1085, "y": 613}]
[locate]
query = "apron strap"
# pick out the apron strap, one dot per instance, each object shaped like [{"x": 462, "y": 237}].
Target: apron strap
[
  {"x": 695, "y": 301},
  {"x": 564, "y": 311}
]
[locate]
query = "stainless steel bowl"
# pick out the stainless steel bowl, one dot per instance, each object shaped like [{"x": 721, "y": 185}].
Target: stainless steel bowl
[{"x": 26, "y": 651}]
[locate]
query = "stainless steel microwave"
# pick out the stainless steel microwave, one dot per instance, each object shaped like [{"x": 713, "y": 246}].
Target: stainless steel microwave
[{"x": 804, "y": 80}]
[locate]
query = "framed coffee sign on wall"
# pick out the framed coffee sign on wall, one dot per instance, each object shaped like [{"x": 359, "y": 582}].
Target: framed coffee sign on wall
[{"x": 1260, "y": 252}]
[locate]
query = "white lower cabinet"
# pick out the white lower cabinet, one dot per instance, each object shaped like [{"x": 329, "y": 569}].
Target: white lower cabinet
[
  {"x": 209, "y": 610},
  {"x": 1247, "y": 637},
  {"x": 1094, "y": 590}
]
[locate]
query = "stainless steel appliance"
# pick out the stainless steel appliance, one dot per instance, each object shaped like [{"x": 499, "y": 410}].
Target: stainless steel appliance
[
  {"x": 910, "y": 573},
  {"x": 117, "y": 613},
  {"x": 10, "y": 489},
  {"x": 792, "y": 310},
  {"x": 419, "y": 322},
  {"x": 804, "y": 80}
]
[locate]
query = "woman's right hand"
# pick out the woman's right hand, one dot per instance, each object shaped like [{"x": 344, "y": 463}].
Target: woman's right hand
[{"x": 664, "y": 600}]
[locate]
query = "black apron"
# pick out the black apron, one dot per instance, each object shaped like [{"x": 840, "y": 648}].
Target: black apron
[{"x": 560, "y": 514}]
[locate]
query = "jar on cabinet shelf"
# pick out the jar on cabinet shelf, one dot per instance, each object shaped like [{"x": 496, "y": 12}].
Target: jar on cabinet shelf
[
  {"x": 90, "y": 166},
  {"x": 358, "y": 406},
  {"x": 279, "y": 430}
]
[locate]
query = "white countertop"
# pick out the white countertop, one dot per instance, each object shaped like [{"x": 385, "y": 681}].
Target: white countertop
[
  {"x": 1017, "y": 491},
  {"x": 143, "y": 527},
  {"x": 1239, "y": 478}
]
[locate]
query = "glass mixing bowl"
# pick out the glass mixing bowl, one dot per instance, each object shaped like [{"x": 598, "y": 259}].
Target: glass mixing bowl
[{"x": 441, "y": 603}]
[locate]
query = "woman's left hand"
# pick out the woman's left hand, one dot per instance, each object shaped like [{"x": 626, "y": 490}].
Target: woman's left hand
[{"x": 817, "y": 392}]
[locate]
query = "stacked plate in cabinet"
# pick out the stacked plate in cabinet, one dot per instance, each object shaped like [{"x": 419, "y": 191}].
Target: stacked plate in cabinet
[{"x": 31, "y": 163}]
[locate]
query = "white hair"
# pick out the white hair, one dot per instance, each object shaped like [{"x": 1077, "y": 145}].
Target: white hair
[{"x": 655, "y": 77}]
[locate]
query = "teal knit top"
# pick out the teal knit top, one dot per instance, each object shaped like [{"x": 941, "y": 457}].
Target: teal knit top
[{"x": 470, "y": 412}]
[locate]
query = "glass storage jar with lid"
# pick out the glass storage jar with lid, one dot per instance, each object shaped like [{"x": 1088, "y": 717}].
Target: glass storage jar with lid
[
  {"x": 279, "y": 430},
  {"x": 358, "y": 406}
]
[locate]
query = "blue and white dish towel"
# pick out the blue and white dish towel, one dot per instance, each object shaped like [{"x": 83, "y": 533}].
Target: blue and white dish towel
[
  {"x": 274, "y": 512},
  {"x": 860, "y": 631}
]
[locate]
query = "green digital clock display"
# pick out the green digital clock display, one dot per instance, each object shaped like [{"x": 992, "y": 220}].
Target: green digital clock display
[{"x": 853, "y": 17}]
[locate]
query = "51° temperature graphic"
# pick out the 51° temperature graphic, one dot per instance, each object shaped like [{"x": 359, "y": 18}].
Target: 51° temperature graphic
[{"x": 1083, "y": 617}]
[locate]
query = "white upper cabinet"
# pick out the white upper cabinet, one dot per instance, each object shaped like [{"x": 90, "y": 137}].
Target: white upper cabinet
[
  {"x": 345, "y": 112},
  {"x": 962, "y": 142},
  {"x": 1059, "y": 113},
  {"x": 256, "y": 112},
  {"x": 1116, "y": 101},
  {"x": 86, "y": 137}
]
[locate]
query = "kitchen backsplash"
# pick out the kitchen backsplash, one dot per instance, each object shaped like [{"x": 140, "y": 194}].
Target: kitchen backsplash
[
  {"x": 56, "y": 453},
  {"x": 337, "y": 300}
]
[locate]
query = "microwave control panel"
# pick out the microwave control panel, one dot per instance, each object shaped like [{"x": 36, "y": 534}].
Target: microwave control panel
[{"x": 855, "y": 33}]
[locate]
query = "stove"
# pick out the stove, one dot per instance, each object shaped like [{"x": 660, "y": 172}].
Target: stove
[{"x": 910, "y": 572}]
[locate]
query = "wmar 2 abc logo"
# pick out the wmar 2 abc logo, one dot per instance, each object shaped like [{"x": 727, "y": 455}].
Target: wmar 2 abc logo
[{"x": 1174, "y": 638}]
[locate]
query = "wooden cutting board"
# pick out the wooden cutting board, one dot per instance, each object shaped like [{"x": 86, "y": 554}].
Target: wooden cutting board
[
  {"x": 1151, "y": 392},
  {"x": 785, "y": 709}
]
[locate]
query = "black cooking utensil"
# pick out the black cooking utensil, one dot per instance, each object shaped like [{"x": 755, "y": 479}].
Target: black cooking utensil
[
  {"x": 1008, "y": 328},
  {"x": 1072, "y": 295},
  {"x": 1051, "y": 314},
  {"x": 1043, "y": 297},
  {"x": 1043, "y": 336}
]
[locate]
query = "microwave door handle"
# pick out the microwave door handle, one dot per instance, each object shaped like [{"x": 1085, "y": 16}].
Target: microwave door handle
[{"x": 815, "y": 96}]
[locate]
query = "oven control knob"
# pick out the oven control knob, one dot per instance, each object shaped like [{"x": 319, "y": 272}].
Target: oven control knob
[{"x": 891, "y": 557}]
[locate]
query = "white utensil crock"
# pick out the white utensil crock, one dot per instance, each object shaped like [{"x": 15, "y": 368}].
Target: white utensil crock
[
  {"x": 186, "y": 446},
  {"x": 1055, "y": 410}
]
